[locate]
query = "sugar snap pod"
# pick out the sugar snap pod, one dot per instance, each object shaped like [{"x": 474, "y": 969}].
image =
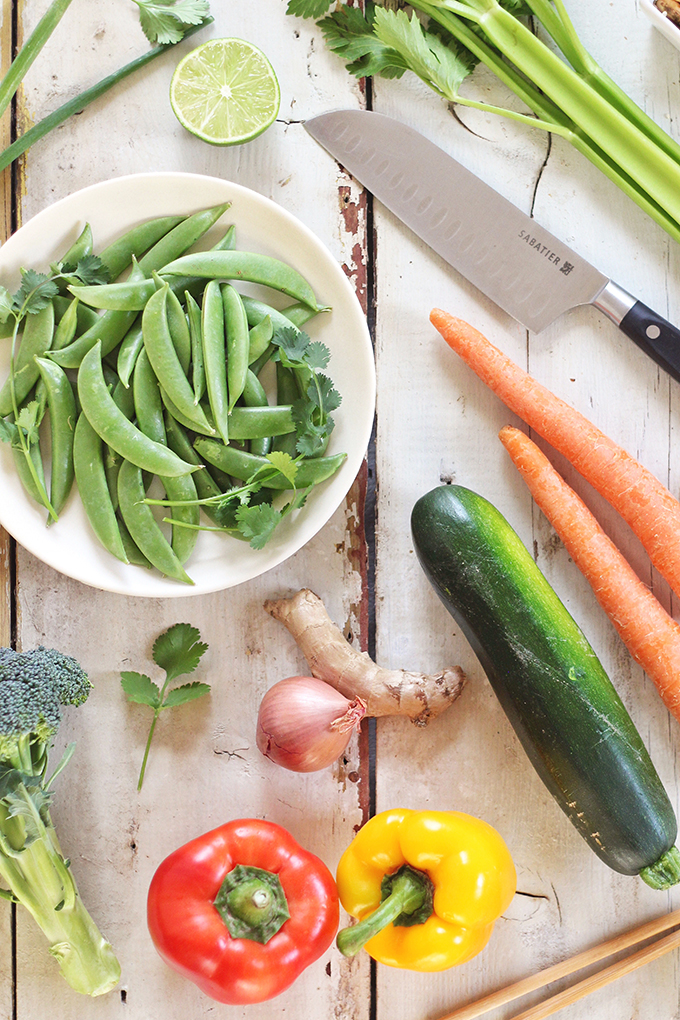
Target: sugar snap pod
[{"x": 551, "y": 685}]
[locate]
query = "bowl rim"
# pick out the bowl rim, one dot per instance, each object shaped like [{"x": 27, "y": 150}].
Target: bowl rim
[{"x": 303, "y": 532}]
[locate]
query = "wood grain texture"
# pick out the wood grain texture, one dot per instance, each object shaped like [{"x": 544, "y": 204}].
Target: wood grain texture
[
  {"x": 443, "y": 428},
  {"x": 204, "y": 767},
  {"x": 436, "y": 423},
  {"x": 6, "y": 547}
]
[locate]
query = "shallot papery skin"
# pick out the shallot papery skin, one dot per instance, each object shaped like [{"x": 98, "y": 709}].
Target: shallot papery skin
[{"x": 305, "y": 724}]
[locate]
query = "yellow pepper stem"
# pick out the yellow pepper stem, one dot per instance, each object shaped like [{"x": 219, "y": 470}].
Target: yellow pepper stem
[{"x": 407, "y": 900}]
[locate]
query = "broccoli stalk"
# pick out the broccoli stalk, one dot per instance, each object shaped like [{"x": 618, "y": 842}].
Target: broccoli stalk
[{"x": 33, "y": 688}]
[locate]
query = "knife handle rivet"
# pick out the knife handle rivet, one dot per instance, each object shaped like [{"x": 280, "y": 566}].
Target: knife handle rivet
[{"x": 653, "y": 332}]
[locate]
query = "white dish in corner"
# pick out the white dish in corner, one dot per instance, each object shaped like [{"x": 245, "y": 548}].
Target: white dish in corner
[
  {"x": 661, "y": 22},
  {"x": 111, "y": 207}
]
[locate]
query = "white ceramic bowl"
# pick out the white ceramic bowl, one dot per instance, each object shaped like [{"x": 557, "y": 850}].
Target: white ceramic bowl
[
  {"x": 661, "y": 22},
  {"x": 218, "y": 561}
]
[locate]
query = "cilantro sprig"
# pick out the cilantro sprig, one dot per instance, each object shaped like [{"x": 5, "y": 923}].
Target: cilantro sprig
[
  {"x": 166, "y": 21},
  {"x": 33, "y": 296},
  {"x": 178, "y": 651},
  {"x": 247, "y": 509},
  {"x": 312, "y": 412}
]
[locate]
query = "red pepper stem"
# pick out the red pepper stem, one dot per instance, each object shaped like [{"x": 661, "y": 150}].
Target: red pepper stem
[
  {"x": 252, "y": 903},
  {"x": 409, "y": 901}
]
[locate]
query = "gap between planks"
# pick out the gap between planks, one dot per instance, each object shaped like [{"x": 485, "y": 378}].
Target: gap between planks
[{"x": 6, "y": 552}]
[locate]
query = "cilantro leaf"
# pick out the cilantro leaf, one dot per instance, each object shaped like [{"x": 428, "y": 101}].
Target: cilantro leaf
[
  {"x": 35, "y": 293},
  {"x": 284, "y": 463},
  {"x": 311, "y": 441},
  {"x": 330, "y": 398},
  {"x": 308, "y": 8},
  {"x": 165, "y": 21},
  {"x": 91, "y": 270},
  {"x": 302, "y": 411},
  {"x": 187, "y": 692},
  {"x": 291, "y": 342},
  {"x": 178, "y": 650},
  {"x": 140, "y": 689},
  {"x": 5, "y": 304},
  {"x": 29, "y": 420},
  {"x": 7, "y": 431},
  {"x": 317, "y": 355},
  {"x": 257, "y": 523}
]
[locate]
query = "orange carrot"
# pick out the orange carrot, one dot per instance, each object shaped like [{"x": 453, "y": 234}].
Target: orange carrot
[
  {"x": 651, "y": 636},
  {"x": 648, "y": 507}
]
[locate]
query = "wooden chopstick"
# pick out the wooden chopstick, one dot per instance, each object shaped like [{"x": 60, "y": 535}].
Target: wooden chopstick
[
  {"x": 601, "y": 978},
  {"x": 576, "y": 963}
]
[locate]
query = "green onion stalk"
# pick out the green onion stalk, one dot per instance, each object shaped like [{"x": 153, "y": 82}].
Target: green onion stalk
[{"x": 83, "y": 99}]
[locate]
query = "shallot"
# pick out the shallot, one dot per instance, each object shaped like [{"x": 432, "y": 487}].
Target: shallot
[{"x": 304, "y": 724}]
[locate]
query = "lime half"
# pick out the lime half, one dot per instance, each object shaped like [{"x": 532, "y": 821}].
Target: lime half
[{"x": 225, "y": 92}]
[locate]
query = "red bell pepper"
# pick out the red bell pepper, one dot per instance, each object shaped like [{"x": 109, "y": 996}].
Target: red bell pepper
[{"x": 242, "y": 910}]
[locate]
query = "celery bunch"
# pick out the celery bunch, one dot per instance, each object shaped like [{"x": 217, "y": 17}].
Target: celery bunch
[{"x": 572, "y": 97}]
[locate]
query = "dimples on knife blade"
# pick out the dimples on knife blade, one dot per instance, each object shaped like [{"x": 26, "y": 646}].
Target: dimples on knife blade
[{"x": 523, "y": 268}]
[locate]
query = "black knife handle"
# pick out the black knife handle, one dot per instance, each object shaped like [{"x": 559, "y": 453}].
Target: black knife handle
[
  {"x": 655, "y": 335},
  {"x": 649, "y": 330}
]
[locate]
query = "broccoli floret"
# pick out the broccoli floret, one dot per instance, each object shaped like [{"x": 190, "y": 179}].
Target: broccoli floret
[{"x": 34, "y": 686}]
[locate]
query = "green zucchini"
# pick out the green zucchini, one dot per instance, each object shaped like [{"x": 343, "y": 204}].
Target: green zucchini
[{"x": 551, "y": 685}]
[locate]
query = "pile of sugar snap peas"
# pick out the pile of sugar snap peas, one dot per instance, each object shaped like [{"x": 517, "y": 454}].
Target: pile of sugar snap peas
[{"x": 157, "y": 375}]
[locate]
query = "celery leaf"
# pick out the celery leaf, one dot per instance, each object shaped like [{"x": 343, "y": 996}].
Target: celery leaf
[
  {"x": 350, "y": 34},
  {"x": 423, "y": 52}
]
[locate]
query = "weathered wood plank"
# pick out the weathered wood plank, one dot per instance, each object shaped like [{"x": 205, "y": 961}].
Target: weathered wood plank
[
  {"x": 442, "y": 427},
  {"x": 204, "y": 767},
  {"x": 6, "y": 549}
]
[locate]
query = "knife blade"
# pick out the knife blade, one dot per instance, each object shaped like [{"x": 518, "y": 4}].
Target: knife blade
[{"x": 524, "y": 269}]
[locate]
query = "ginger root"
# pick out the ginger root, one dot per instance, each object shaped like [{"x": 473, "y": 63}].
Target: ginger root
[{"x": 331, "y": 658}]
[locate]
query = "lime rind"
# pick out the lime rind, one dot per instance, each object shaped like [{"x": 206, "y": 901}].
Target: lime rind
[{"x": 225, "y": 92}]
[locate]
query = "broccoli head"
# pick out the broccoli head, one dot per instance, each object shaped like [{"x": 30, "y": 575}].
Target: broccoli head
[{"x": 33, "y": 688}]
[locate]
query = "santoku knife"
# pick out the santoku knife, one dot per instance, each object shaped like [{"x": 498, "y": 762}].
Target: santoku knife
[{"x": 527, "y": 271}]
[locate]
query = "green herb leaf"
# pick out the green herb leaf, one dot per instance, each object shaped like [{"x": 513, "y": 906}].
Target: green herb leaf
[
  {"x": 317, "y": 355},
  {"x": 308, "y": 8},
  {"x": 284, "y": 463},
  {"x": 424, "y": 53},
  {"x": 141, "y": 689},
  {"x": 165, "y": 21},
  {"x": 91, "y": 271},
  {"x": 292, "y": 342},
  {"x": 6, "y": 306},
  {"x": 8, "y": 431},
  {"x": 179, "y": 650},
  {"x": 330, "y": 398},
  {"x": 349, "y": 34},
  {"x": 29, "y": 420},
  {"x": 187, "y": 692},
  {"x": 35, "y": 293},
  {"x": 257, "y": 523}
]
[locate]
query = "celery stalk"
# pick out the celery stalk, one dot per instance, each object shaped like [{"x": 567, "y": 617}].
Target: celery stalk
[{"x": 636, "y": 154}]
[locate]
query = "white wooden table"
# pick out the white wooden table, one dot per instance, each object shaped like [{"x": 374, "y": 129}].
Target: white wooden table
[{"x": 435, "y": 421}]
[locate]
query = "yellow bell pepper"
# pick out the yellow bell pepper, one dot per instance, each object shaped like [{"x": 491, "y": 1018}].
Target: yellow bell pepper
[{"x": 427, "y": 887}]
